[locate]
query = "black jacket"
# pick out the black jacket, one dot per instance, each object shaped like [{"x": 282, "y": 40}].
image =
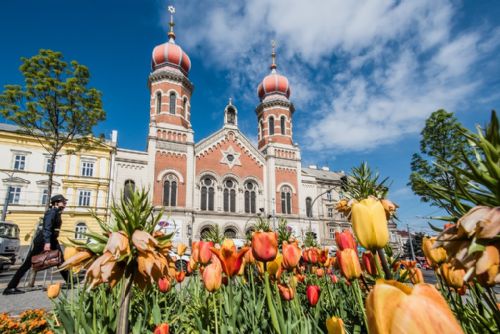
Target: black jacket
[{"x": 51, "y": 225}]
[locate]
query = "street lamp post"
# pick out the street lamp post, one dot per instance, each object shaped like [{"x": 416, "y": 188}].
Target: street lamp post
[{"x": 312, "y": 206}]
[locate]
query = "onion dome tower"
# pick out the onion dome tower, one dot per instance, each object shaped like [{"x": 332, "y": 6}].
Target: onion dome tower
[{"x": 274, "y": 113}]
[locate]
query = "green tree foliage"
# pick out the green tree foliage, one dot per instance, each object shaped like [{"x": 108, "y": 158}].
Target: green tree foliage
[
  {"x": 55, "y": 104},
  {"x": 442, "y": 146}
]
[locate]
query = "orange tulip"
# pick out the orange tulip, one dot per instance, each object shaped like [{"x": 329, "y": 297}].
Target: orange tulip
[
  {"x": 77, "y": 261},
  {"x": 320, "y": 272},
  {"x": 369, "y": 263},
  {"x": 179, "y": 276},
  {"x": 435, "y": 256},
  {"x": 181, "y": 249},
  {"x": 323, "y": 257},
  {"x": 395, "y": 308},
  {"x": 311, "y": 255},
  {"x": 53, "y": 290},
  {"x": 300, "y": 278},
  {"x": 230, "y": 259},
  {"x": 69, "y": 252},
  {"x": 312, "y": 293},
  {"x": 286, "y": 292},
  {"x": 195, "y": 251},
  {"x": 335, "y": 325},
  {"x": 212, "y": 277},
  {"x": 118, "y": 244},
  {"x": 164, "y": 284},
  {"x": 349, "y": 263},
  {"x": 454, "y": 277},
  {"x": 416, "y": 275},
  {"x": 345, "y": 239},
  {"x": 204, "y": 251},
  {"x": 369, "y": 223},
  {"x": 162, "y": 329},
  {"x": 291, "y": 255},
  {"x": 264, "y": 246}
]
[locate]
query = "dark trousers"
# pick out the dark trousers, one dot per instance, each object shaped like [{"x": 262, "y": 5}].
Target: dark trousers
[{"x": 36, "y": 249}]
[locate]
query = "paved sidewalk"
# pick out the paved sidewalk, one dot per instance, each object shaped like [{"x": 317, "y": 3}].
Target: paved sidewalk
[{"x": 15, "y": 304}]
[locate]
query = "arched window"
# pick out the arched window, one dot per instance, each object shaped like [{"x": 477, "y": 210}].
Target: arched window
[
  {"x": 282, "y": 121},
  {"x": 231, "y": 116},
  {"x": 261, "y": 129},
  {"x": 128, "y": 189},
  {"x": 309, "y": 207},
  {"x": 172, "y": 103},
  {"x": 207, "y": 194},
  {"x": 205, "y": 232},
  {"x": 170, "y": 190},
  {"x": 80, "y": 230},
  {"x": 229, "y": 195},
  {"x": 230, "y": 233},
  {"x": 158, "y": 102},
  {"x": 250, "y": 197},
  {"x": 286, "y": 200},
  {"x": 271, "y": 126},
  {"x": 249, "y": 231},
  {"x": 184, "y": 106}
]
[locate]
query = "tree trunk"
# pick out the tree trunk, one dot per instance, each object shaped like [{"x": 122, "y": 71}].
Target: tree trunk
[{"x": 52, "y": 162}]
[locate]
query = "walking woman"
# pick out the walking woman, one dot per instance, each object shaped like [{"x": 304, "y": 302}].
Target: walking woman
[{"x": 45, "y": 240}]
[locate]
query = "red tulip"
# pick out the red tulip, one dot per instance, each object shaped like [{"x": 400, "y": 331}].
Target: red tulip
[
  {"x": 334, "y": 278},
  {"x": 230, "y": 259},
  {"x": 345, "y": 239},
  {"x": 264, "y": 246},
  {"x": 286, "y": 292},
  {"x": 323, "y": 257},
  {"x": 205, "y": 253},
  {"x": 162, "y": 329},
  {"x": 349, "y": 263},
  {"x": 212, "y": 277},
  {"x": 369, "y": 263},
  {"x": 291, "y": 255},
  {"x": 195, "y": 251},
  {"x": 300, "y": 278},
  {"x": 164, "y": 284},
  {"x": 312, "y": 293},
  {"x": 179, "y": 276}
]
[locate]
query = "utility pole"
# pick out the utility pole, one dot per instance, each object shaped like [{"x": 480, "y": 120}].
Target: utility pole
[{"x": 411, "y": 243}]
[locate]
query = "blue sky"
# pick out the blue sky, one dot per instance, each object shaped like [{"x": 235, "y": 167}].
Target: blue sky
[{"x": 364, "y": 75}]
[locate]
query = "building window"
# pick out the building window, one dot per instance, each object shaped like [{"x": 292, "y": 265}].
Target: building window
[
  {"x": 170, "y": 190},
  {"x": 80, "y": 230},
  {"x": 261, "y": 129},
  {"x": 184, "y": 106},
  {"x": 158, "y": 102},
  {"x": 172, "y": 103},
  {"x": 250, "y": 197},
  {"x": 14, "y": 194},
  {"x": 286, "y": 200},
  {"x": 230, "y": 233},
  {"x": 282, "y": 121},
  {"x": 207, "y": 194},
  {"x": 329, "y": 196},
  {"x": 128, "y": 189},
  {"x": 231, "y": 116},
  {"x": 229, "y": 196},
  {"x": 48, "y": 165},
  {"x": 330, "y": 212},
  {"x": 87, "y": 168},
  {"x": 19, "y": 162},
  {"x": 331, "y": 232},
  {"x": 271, "y": 126},
  {"x": 45, "y": 196},
  {"x": 84, "y": 198},
  {"x": 205, "y": 232},
  {"x": 309, "y": 207}
]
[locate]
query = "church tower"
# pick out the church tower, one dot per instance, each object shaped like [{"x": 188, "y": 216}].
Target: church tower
[
  {"x": 275, "y": 141},
  {"x": 171, "y": 138}
]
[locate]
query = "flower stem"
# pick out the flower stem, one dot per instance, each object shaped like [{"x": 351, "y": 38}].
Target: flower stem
[
  {"x": 215, "y": 310},
  {"x": 126, "y": 293},
  {"x": 385, "y": 265},
  {"x": 359, "y": 297},
  {"x": 270, "y": 304}
]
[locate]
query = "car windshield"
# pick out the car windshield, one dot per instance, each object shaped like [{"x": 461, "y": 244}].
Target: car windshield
[{"x": 9, "y": 231}]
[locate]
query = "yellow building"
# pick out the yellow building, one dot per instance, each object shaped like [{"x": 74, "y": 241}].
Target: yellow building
[{"x": 84, "y": 178}]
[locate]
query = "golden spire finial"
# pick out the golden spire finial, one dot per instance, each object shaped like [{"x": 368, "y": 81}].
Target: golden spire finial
[
  {"x": 171, "y": 33},
  {"x": 273, "y": 55}
]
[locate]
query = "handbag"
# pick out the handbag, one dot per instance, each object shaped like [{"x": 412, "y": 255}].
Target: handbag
[{"x": 46, "y": 260}]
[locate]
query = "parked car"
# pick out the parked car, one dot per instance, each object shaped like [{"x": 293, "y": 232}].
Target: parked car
[
  {"x": 4, "y": 263},
  {"x": 9, "y": 241}
]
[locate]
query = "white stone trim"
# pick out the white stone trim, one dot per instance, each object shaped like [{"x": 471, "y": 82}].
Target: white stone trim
[
  {"x": 164, "y": 172},
  {"x": 278, "y": 188}
]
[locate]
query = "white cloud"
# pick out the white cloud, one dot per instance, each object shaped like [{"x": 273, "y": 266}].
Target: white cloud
[{"x": 369, "y": 71}]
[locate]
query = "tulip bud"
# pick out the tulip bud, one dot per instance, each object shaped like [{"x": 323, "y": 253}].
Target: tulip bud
[
  {"x": 349, "y": 263},
  {"x": 291, "y": 255},
  {"x": 286, "y": 292},
  {"x": 370, "y": 224},
  {"x": 212, "y": 277},
  {"x": 264, "y": 246},
  {"x": 179, "y": 276},
  {"x": 162, "y": 329},
  {"x": 164, "y": 284},
  {"x": 53, "y": 290},
  {"x": 334, "y": 278},
  {"x": 181, "y": 249},
  {"x": 312, "y": 293},
  {"x": 320, "y": 272},
  {"x": 335, "y": 325},
  {"x": 369, "y": 263},
  {"x": 435, "y": 256},
  {"x": 345, "y": 239}
]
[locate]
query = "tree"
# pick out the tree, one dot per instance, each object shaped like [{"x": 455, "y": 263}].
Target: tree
[
  {"x": 442, "y": 145},
  {"x": 55, "y": 105}
]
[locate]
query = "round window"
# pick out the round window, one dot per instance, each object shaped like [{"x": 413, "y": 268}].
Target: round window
[
  {"x": 229, "y": 183},
  {"x": 249, "y": 186},
  {"x": 208, "y": 181},
  {"x": 230, "y": 157}
]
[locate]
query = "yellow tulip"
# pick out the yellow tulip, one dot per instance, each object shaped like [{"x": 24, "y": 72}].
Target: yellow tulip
[
  {"x": 395, "y": 308},
  {"x": 434, "y": 255},
  {"x": 454, "y": 277},
  {"x": 69, "y": 252},
  {"x": 181, "y": 249},
  {"x": 335, "y": 325},
  {"x": 369, "y": 223},
  {"x": 53, "y": 290}
]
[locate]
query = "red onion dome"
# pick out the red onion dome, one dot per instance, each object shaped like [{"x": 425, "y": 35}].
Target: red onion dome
[
  {"x": 274, "y": 83},
  {"x": 170, "y": 54}
]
